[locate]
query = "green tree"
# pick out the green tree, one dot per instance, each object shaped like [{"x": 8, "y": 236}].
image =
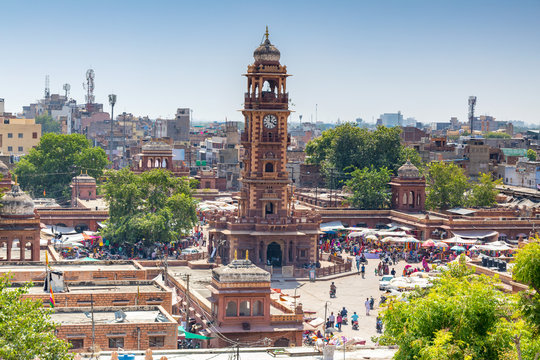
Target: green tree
[
  {"x": 460, "y": 317},
  {"x": 348, "y": 146},
  {"x": 531, "y": 155},
  {"x": 484, "y": 192},
  {"x": 49, "y": 168},
  {"x": 369, "y": 188},
  {"x": 150, "y": 207},
  {"x": 408, "y": 153},
  {"x": 48, "y": 124},
  {"x": 446, "y": 186},
  {"x": 26, "y": 330},
  {"x": 527, "y": 271}
]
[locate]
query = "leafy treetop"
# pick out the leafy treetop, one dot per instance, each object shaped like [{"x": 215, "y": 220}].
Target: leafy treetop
[
  {"x": 151, "y": 207},
  {"x": 48, "y": 124},
  {"x": 347, "y": 147},
  {"x": 49, "y": 167},
  {"x": 26, "y": 330}
]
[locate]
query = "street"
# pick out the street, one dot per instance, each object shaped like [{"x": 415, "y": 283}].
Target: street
[{"x": 352, "y": 292}]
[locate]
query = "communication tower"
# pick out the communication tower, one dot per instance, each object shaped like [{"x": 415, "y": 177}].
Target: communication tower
[
  {"x": 89, "y": 87},
  {"x": 472, "y": 104},
  {"x": 66, "y": 88}
]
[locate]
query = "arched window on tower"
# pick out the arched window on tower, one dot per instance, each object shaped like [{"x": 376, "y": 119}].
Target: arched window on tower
[
  {"x": 405, "y": 199},
  {"x": 269, "y": 208},
  {"x": 411, "y": 199},
  {"x": 269, "y": 167}
]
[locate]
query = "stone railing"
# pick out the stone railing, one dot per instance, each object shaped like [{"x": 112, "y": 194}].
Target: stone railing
[
  {"x": 287, "y": 318},
  {"x": 324, "y": 271}
]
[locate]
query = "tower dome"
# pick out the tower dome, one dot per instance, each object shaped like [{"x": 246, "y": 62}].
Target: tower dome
[
  {"x": 408, "y": 171},
  {"x": 266, "y": 52},
  {"x": 16, "y": 203}
]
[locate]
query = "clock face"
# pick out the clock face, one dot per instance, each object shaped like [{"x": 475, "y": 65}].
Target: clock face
[{"x": 270, "y": 121}]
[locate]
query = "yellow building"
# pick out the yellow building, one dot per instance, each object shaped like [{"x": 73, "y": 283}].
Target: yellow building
[{"x": 18, "y": 136}]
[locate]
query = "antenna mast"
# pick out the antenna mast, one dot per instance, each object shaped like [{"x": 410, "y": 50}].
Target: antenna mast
[
  {"x": 89, "y": 87},
  {"x": 66, "y": 88},
  {"x": 472, "y": 104},
  {"x": 47, "y": 89}
]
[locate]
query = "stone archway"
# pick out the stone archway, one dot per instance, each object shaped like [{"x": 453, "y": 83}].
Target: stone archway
[{"x": 274, "y": 254}]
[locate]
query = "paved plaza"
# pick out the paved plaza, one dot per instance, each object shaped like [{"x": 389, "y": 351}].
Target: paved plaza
[{"x": 352, "y": 292}]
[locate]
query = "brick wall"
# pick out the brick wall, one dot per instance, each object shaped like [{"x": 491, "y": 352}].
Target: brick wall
[
  {"x": 136, "y": 335},
  {"x": 109, "y": 299}
]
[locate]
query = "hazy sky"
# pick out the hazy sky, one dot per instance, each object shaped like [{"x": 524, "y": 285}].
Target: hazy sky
[{"x": 352, "y": 58}]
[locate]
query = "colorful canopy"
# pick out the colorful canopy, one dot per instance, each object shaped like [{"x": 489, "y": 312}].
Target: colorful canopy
[
  {"x": 428, "y": 243},
  {"x": 192, "y": 335}
]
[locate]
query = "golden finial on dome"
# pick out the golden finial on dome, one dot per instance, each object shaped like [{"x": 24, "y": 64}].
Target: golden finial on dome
[{"x": 266, "y": 33}]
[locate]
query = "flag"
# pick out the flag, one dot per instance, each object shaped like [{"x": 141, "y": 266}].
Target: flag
[{"x": 51, "y": 298}]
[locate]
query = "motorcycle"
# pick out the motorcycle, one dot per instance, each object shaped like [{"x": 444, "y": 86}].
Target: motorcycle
[
  {"x": 355, "y": 325},
  {"x": 332, "y": 293},
  {"x": 383, "y": 300},
  {"x": 344, "y": 320}
]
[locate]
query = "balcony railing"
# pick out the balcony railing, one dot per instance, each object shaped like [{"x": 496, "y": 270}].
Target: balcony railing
[{"x": 267, "y": 100}]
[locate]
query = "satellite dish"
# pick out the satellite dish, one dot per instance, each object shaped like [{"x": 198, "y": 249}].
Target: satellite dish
[{"x": 119, "y": 316}]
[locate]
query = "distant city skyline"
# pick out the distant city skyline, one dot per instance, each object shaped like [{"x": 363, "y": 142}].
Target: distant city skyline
[{"x": 353, "y": 59}]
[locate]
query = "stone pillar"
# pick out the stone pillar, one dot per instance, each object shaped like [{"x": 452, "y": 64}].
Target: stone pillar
[
  {"x": 284, "y": 254},
  {"x": 35, "y": 251},
  {"x": 256, "y": 251},
  {"x": 21, "y": 249},
  {"x": 8, "y": 257}
]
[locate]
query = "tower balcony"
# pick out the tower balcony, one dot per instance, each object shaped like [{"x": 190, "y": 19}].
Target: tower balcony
[{"x": 267, "y": 100}]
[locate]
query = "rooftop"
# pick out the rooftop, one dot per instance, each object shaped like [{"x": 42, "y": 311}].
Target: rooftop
[
  {"x": 76, "y": 316},
  {"x": 104, "y": 287},
  {"x": 67, "y": 266}
]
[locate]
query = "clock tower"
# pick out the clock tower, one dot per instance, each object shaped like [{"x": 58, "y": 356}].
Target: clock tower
[
  {"x": 266, "y": 229},
  {"x": 265, "y": 191}
]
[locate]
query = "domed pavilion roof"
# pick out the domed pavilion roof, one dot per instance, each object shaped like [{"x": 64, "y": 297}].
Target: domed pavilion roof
[
  {"x": 156, "y": 146},
  {"x": 16, "y": 203},
  {"x": 83, "y": 179},
  {"x": 240, "y": 271},
  {"x": 266, "y": 52},
  {"x": 408, "y": 171}
]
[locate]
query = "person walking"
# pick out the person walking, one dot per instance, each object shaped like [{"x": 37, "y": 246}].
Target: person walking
[
  {"x": 368, "y": 306},
  {"x": 363, "y": 271},
  {"x": 393, "y": 272},
  {"x": 339, "y": 320},
  {"x": 358, "y": 258},
  {"x": 332, "y": 319}
]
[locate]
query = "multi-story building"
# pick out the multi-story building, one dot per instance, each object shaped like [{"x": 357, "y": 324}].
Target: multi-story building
[
  {"x": 390, "y": 119},
  {"x": 18, "y": 136},
  {"x": 478, "y": 155},
  {"x": 525, "y": 173},
  {"x": 177, "y": 129}
]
